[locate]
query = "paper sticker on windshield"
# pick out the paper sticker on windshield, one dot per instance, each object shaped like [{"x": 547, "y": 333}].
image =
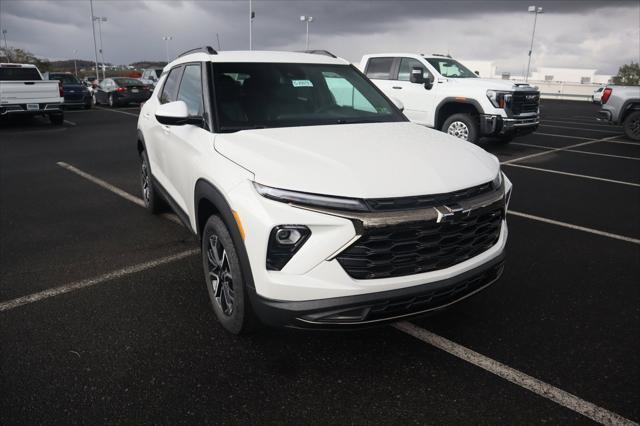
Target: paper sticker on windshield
[{"x": 302, "y": 83}]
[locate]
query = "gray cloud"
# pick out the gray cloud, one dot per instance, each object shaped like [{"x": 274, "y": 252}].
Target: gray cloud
[{"x": 570, "y": 33}]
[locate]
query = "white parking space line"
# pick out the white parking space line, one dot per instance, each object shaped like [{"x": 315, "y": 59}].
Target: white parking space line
[
  {"x": 575, "y": 227},
  {"x": 118, "y": 111},
  {"x": 562, "y": 136},
  {"x": 70, "y": 123},
  {"x": 625, "y": 142},
  {"x": 564, "y": 148},
  {"x": 114, "y": 189},
  {"x": 545, "y": 390},
  {"x": 539, "y": 169},
  {"x": 595, "y": 123},
  {"x": 577, "y": 151},
  {"x": 77, "y": 285},
  {"x": 581, "y": 128}
]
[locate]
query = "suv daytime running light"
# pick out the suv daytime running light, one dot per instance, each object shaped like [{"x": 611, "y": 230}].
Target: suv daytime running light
[{"x": 305, "y": 198}]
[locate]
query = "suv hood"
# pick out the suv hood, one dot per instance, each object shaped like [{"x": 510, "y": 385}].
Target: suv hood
[
  {"x": 490, "y": 83},
  {"x": 359, "y": 160}
]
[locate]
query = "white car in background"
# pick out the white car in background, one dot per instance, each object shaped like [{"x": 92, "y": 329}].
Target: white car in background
[
  {"x": 596, "y": 98},
  {"x": 316, "y": 202},
  {"x": 150, "y": 76}
]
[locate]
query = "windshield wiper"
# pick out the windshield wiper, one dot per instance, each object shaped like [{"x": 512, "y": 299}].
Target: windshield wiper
[{"x": 238, "y": 128}]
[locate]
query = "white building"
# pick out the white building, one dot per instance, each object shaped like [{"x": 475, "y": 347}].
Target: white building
[{"x": 569, "y": 75}]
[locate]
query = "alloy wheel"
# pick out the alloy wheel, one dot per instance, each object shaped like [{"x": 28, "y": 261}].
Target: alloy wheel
[
  {"x": 220, "y": 275},
  {"x": 145, "y": 180},
  {"x": 459, "y": 130}
]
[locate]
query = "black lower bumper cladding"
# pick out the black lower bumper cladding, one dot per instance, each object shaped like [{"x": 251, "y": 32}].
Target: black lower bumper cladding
[{"x": 377, "y": 308}]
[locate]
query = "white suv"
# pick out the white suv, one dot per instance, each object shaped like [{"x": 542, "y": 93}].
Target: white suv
[
  {"x": 439, "y": 92},
  {"x": 317, "y": 203}
]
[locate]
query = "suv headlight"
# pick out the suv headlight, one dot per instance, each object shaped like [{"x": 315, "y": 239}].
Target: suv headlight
[
  {"x": 498, "y": 98},
  {"x": 497, "y": 181},
  {"x": 308, "y": 199}
]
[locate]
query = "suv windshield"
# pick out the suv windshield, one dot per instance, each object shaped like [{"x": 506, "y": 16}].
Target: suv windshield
[
  {"x": 261, "y": 95},
  {"x": 451, "y": 68},
  {"x": 64, "y": 78}
]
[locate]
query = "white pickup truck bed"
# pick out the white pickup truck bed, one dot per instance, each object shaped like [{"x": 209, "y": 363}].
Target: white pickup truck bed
[{"x": 23, "y": 91}]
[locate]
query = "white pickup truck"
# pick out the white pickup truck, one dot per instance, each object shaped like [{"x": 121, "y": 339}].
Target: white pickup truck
[
  {"x": 439, "y": 92},
  {"x": 24, "y": 91}
]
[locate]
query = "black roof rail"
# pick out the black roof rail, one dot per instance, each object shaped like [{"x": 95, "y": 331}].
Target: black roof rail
[
  {"x": 440, "y": 54},
  {"x": 206, "y": 49},
  {"x": 319, "y": 52}
]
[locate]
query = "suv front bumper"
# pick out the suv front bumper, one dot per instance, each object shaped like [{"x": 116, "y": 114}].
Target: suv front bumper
[
  {"x": 491, "y": 125},
  {"x": 377, "y": 308}
]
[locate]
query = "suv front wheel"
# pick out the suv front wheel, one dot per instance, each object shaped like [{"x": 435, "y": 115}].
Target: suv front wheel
[
  {"x": 462, "y": 126},
  {"x": 224, "y": 279},
  {"x": 152, "y": 199}
]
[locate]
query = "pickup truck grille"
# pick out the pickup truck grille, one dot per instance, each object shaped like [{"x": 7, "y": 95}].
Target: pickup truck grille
[
  {"x": 413, "y": 248},
  {"x": 426, "y": 201},
  {"x": 524, "y": 102}
]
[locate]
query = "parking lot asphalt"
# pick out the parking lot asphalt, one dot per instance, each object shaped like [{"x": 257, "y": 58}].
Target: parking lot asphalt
[{"x": 128, "y": 336}]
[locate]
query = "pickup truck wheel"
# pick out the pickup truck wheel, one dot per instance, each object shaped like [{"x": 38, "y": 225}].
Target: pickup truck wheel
[
  {"x": 57, "y": 119},
  {"x": 224, "y": 279},
  {"x": 631, "y": 126},
  {"x": 152, "y": 199},
  {"x": 462, "y": 126}
]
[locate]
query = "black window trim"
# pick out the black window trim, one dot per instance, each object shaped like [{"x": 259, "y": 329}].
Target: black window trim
[{"x": 165, "y": 81}]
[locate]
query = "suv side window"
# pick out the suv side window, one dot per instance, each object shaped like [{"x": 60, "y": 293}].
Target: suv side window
[
  {"x": 379, "y": 68},
  {"x": 170, "y": 88},
  {"x": 407, "y": 64},
  {"x": 191, "y": 89}
]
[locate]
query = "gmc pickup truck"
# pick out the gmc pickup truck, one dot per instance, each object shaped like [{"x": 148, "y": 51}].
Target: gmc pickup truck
[
  {"x": 23, "y": 91},
  {"x": 439, "y": 92},
  {"x": 621, "y": 105}
]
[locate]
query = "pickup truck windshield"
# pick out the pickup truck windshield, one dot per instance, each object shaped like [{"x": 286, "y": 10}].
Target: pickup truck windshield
[
  {"x": 19, "y": 74},
  {"x": 451, "y": 68},
  {"x": 262, "y": 95}
]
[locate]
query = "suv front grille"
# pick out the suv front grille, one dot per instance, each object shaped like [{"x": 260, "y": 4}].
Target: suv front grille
[
  {"x": 425, "y": 201},
  {"x": 524, "y": 102},
  {"x": 414, "y": 248}
]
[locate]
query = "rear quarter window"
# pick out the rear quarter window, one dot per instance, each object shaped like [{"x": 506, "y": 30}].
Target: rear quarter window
[{"x": 379, "y": 68}]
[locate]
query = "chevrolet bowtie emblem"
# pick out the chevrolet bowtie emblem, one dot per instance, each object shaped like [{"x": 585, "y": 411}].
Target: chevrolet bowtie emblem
[{"x": 448, "y": 211}]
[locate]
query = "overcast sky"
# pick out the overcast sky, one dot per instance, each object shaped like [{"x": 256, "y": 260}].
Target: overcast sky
[{"x": 588, "y": 34}]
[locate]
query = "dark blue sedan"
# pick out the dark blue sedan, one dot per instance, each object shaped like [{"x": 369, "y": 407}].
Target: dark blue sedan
[{"x": 75, "y": 93}]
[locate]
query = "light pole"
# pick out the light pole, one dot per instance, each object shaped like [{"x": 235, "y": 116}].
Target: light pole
[
  {"x": 252, "y": 15},
  {"x": 535, "y": 10},
  {"x": 307, "y": 19},
  {"x": 100, "y": 20},
  {"x": 95, "y": 44},
  {"x": 167, "y": 39},
  {"x": 75, "y": 64},
  {"x": 6, "y": 47}
]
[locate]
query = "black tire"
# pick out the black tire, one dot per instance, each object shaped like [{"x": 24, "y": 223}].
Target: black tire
[
  {"x": 462, "y": 126},
  {"x": 113, "y": 102},
  {"x": 229, "y": 299},
  {"x": 57, "y": 119},
  {"x": 631, "y": 126},
  {"x": 152, "y": 199}
]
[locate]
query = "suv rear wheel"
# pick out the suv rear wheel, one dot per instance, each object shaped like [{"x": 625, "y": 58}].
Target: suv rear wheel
[
  {"x": 462, "y": 126},
  {"x": 225, "y": 282},
  {"x": 631, "y": 126},
  {"x": 152, "y": 199}
]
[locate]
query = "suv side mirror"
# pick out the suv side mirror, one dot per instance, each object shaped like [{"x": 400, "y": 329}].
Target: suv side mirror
[
  {"x": 176, "y": 114},
  {"x": 416, "y": 75}
]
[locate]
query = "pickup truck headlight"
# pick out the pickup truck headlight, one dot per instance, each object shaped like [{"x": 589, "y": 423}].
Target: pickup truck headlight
[
  {"x": 308, "y": 199},
  {"x": 498, "y": 98}
]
